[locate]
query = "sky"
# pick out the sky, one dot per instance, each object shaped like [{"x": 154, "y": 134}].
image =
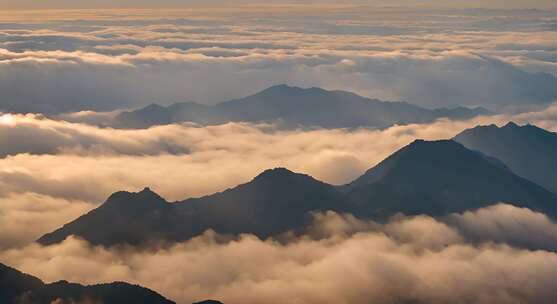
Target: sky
[{"x": 64, "y": 4}]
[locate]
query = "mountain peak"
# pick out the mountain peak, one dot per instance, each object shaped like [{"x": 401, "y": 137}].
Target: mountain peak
[
  {"x": 153, "y": 107},
  {"x": 281, "y": 86},
  {"x": 434, "y": 144},
  {"x": 511, "y": 125},
  {"x": 147, "y": 191},
  {"x": 418, "y": 142},
  {"x": 281, "y": 89},
  {"x": 279, "y": 172},
  {"x": 145, "y": 196},
  {"x": 436, "y": 152},
  {"x": 129, "y": 207},
  {"x": 284, "y": 89},
  {"x": 149, "y": 194},
  {"x": 417, "y": 158}
]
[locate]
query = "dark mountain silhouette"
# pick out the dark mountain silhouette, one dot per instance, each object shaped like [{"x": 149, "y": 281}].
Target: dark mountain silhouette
[
  {"x": 124, "y": 218},
  {"x": 529, "y": 151},
  {"x": 432, "y": 178},
  {"x": 275, "y": 201},
  {"x": 295, "y": 107},
  {"x": 441, "y": 177},
  {"x": 17, "y": 287},
  {"x": 14, "y": 283}
]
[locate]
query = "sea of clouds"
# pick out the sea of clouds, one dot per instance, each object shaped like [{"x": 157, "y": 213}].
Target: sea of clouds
[
  {"x": 68, "y": 72},
  {"x": 66, "y": 61}
]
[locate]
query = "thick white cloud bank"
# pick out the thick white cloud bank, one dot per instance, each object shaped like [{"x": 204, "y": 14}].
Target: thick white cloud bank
[
  {"x": 60, "y": 61},
  {"x": 508, "y": 224},
  {"x": 340, "y": 260}
]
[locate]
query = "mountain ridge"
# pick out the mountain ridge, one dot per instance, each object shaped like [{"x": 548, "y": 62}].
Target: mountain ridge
[
  {"x": 424, "y": 177},
  {"x": 235, "y": 210},
  {"x": 528, "y": 150},
  {"x": 17, "y": 287},
  {"x": 295, "y": 107}
]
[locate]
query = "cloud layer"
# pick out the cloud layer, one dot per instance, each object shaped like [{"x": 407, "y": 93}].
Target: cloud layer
[
  {"x": 75, "y": 60},
  {"x": 408, "y": 260}
]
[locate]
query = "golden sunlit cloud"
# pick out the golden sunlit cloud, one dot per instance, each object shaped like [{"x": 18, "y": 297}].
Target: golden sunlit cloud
[
  {"x": 340, "y": 260},
  {"x": 7, "y": 120}
]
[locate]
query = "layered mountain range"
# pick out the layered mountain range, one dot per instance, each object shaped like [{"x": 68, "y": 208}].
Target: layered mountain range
[
  {"x": 426, "y": 177},
  {"x": 295, "y": 107}
]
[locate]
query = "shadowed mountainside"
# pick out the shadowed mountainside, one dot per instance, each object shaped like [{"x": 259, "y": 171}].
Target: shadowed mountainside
[
  {"x": 17, "y": 287},
  {"x": 441, "y": 177},
  {"x": 529, "y": 151}
]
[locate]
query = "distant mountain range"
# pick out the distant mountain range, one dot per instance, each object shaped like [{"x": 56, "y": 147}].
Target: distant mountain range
[
  {"x": 295, "y": 107},
  {"x": 18, "y": 288},
  {"x": 434, "y": 178},
  {"x": 529, "y": 151}
]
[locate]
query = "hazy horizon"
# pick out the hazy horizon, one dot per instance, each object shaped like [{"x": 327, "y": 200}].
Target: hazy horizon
[{"x": 64, "y": 4}]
